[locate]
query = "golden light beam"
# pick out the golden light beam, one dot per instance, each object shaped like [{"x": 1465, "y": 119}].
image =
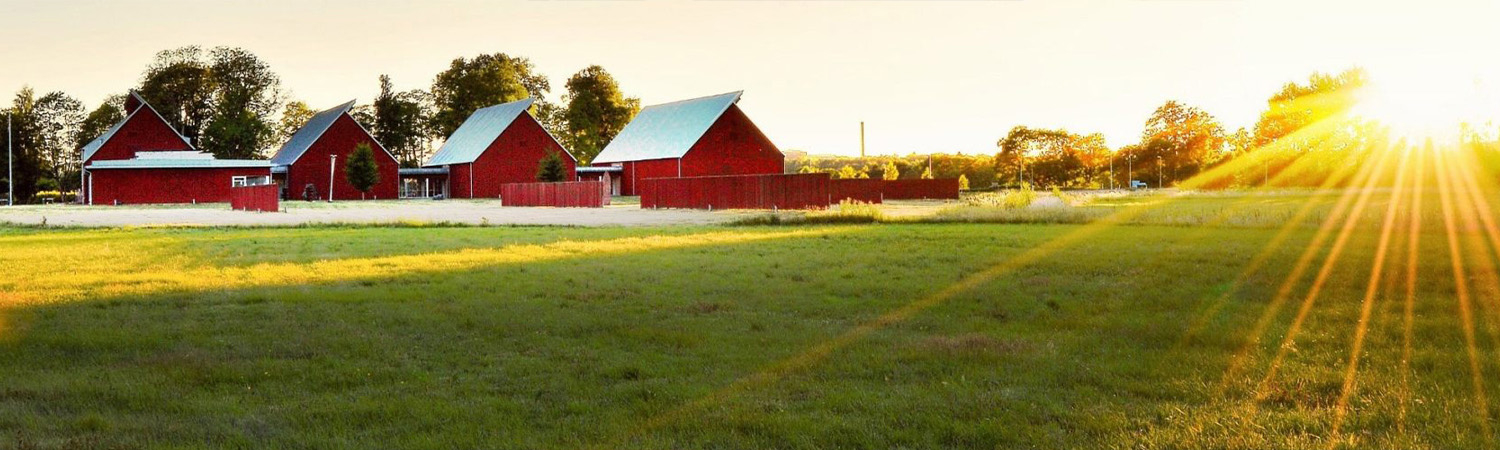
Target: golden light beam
[
  {"x": 781, "y": 368},
  {"x": 1377, "y": 269},
  {"x": 1299, "y": 268},
  {"x": 1461, "y": 286},
  {"x": 1266, "y": 252},
  {"x": 1324, "y": 272},
  {"x": 66, "y": 286},
  {"x": 1409, "y": 300}
]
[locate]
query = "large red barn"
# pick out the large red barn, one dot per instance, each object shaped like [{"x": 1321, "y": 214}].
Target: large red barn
[
  {"x": 698, "y": 137},
  {"x": 321, "y": 148},
  {"x": 142, "y": 159},
  {"x": 497, "y": 145}
]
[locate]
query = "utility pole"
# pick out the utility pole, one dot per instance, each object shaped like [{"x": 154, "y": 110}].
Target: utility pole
[
  {"x": 332, "y": 162},
  {"x": 1159, "y": 183},
  {"x": 1111, "y": 173},
  {"x": 1130, "y": 171},
  {"x": 861, "y": 139},
  {"x": 10, "y": 164}
]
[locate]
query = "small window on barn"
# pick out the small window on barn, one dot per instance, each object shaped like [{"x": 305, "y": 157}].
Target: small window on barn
[{"x": 237, "y": 181}]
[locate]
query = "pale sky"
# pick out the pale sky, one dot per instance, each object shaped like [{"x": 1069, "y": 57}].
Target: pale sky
[{"x": 924, "y": 76}]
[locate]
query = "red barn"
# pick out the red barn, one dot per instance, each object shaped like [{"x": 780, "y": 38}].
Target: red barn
[
  {"x": 698, "y": 137},
  {"x": 497, "y": 145},
  {"x": 142, "y": 159},
  {"x": 321, "y": 148}
]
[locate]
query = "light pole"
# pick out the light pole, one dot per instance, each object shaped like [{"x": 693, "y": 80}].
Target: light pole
[
  {"x": 1159, "y": 183},
  {"x": 1130, "y": 171},
  {"x": 1111, "y": 174},
  {"x": 10, "y": 165},
  {"x": 332, "y": 162}
]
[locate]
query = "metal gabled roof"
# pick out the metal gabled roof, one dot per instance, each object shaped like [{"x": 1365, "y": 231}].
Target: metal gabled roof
[
  {"x": 309, "y": 134},
  {"x": 176, "y": 163},
  {"x": 478, "y": 132},
  {"x": 94, "y": 145},
  {"x": 667, "y": 130}
]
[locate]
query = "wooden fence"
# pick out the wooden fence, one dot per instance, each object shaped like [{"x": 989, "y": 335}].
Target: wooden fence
[
  {"x": 779, "y": 191},
  {"x": 263, "y": 198},
  {"x": 570, "y": 194}
]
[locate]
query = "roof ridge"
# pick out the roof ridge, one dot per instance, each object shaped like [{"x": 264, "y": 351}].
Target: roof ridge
[{"x": 737, "y": 94}]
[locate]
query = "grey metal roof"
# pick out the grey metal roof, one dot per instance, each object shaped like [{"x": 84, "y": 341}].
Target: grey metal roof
[
  {"x": 177, "y": 163},
  {"x": 404, "y": 171},
  {"x": 308, "y": 134},
  {"x": 667, "y": 130},
  {"x": 477, "y": 132},
  {"x": 94, "y": 145},
  {"x": 591, "y": 169}
]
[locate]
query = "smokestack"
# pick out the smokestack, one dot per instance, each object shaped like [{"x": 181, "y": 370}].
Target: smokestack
[{"x": 861, "y": 139}]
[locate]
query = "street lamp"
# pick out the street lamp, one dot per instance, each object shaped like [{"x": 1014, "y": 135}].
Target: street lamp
[{"x": 1130, "y": 171}]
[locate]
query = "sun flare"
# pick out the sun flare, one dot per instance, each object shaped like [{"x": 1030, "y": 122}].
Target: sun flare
[{"x": 1435, "y": 104}]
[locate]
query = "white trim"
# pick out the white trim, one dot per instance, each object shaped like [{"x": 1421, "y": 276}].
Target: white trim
[{"x": 238, "y": 181}]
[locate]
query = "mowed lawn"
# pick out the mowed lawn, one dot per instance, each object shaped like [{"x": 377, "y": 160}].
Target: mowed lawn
[{"x": 854, "y": 336}]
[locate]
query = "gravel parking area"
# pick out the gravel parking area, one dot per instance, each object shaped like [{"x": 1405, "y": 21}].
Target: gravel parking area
[{"x": 476, "y": 212}]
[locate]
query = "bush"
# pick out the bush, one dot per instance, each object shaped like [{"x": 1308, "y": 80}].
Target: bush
[
  {"x": 1007, "y": 199},
  {"x": 56, "y": 196}
]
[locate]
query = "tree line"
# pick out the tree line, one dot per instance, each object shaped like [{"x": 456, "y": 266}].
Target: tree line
[
  {"x": 228, "y": 101},
  {"x": 1178, "y": 141}
]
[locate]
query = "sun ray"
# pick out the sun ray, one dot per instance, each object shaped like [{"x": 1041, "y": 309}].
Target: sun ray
[
  {"x": 1289, "y": 283},
  {"x": 1461, "y": 287},
  {"x": 1329, "y": 261},
  {"x": 1377, "y": 267},
  {"x": 1409, "y": 298},
  {"x": 1268, "y": 250}
]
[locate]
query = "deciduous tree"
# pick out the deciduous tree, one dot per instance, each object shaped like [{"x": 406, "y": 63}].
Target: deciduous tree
[{"x": 596, "y": 111}]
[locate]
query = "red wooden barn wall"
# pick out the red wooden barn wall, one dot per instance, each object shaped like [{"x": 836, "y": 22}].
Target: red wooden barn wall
[
  {"x": 783, "y": 191},
  {"x": 263, "y": 198},
  {"x": 733, "y": 145},
  {"x": 860, "y": 190},
  {"x": 513, "y": 157},
  {"x": 137, "y": 186},
  {"x": 340, "y": 139},
  {"x": 945, "y": 188},
  {"x": 144, "y": 132}
]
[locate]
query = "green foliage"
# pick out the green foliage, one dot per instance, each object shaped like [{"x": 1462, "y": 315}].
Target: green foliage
[
  {"x": 196, "y": 90},
  {"x": 485, "y": 80},
  {"x": 963, "y": 182},
  {"x": 551, "y": 168},
  {"x": 596, "y": 111},
  {"x": 293, "y": 116},
  {"x": 927, "y": 173},
  {"x": 398, "y": 122},
  {"x": 889, "y": 171},
  {"x": 847, "y": 173},
  {"x": 1048, "y": 157},
  {"x": 1183, "y": 140},
  {"x": 29, "y": 140},
  {"x": 361, "y": 169}
]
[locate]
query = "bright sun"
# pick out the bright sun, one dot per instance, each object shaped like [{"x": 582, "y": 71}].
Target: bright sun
[{"x": 1424, "y": 104}]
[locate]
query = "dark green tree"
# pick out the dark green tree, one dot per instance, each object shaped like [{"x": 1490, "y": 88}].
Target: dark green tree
[
  {"x": 58, "y": 117},
  {"x": 193, "y": 89},
  {"x": 596, "y": 111},
  {"x": 26, "y": 138},
  {"x": 551, "y": 168},
  {"x": 361, "y": 170},
  {"x": 294, "y": 115},
  {"x": 1186, "y": 139},
  {"x": 180, "y": 85},
  {"x": 485, "y": 80},
  {"x": 398, "y": 123}
]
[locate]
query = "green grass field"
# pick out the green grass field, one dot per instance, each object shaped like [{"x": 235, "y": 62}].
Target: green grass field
[{"x": 1137, "y": 334}]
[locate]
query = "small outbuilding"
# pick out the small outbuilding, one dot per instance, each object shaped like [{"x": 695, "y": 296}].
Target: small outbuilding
[
  {"x": 142, "y": 159},
  {"x": 497, "y": 145},
  {"x": 321, "y": 148},
  {"x": 704, "y": 136}
]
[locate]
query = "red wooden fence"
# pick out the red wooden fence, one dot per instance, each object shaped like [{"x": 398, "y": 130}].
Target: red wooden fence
[
  {"x": 783, "y": 191},
  {"x": 263, "y": 198},
  {"x": 570, "y": 194},
  {"x": 859, "y": 189},
  {"x": 946, "y": 188}
]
